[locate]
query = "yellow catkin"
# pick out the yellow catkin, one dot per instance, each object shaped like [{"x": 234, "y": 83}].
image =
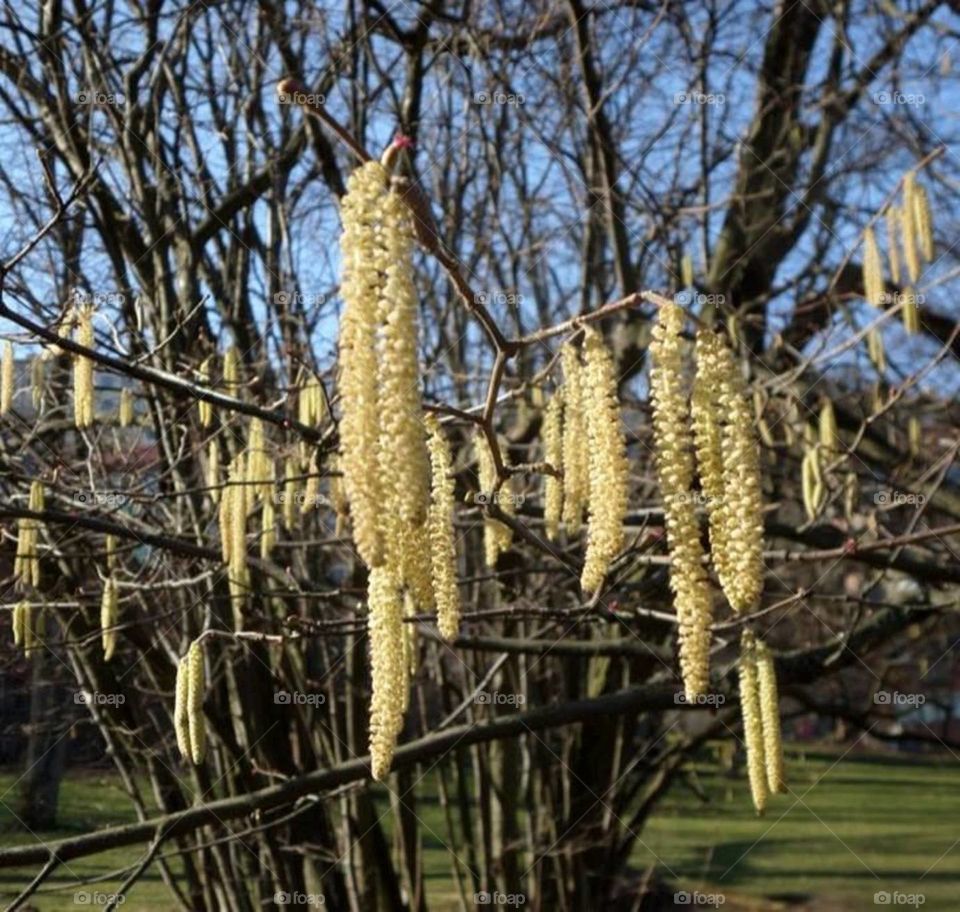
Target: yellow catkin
[
  {"x": 908, "y": 229},
  {"x": 388, "y": 677},
  {"x": 923, "y": 220},
  {"x": 607, "y": 461},
  {"x": 913, "y": 435},
  {"x": 109, "y": 609},
  {"x": 851, "y": 494},
  {"x": 6, "y": 377},
  {"x": 37, "y": 381},
  {"x": 552, "y": 432},
  {"x": 231, "y": 369},
  {"x": 204, "y": 408},
  {"x": 876, "y": 350},
  {"x": 259, "y": 467},
  {"x": 196, "y": 686},
  {"x": 827, "y": 427},
  {"x": 911, "y": 311},
  {"x": 19, "y": 619},
  {"x": 811, "y": 483},
  {"x": 751, "y": 712},
  {"x": 83, "y": 371},
  {"x": 268, "y": 527},
  {"x": 110, "y": 547},
  {"x": 26, "y": 565},
  {"x": 411, "y": 648},
  {"x": 311, "y": 490},
  {"x": 363, "y": 265},
  {"x": 576, "y": 478},
  {"x": 770, "y": 719},
  {"x": 443, "y": 550},
  {"x": 125, "y": 411},
  {"x": 311, "y": 404},
  {"x": 213, "y": 470},
  {"x": 873, "y": 286},
  {"x": 496, "y": 536},
  {"x": 181, "y": 724},
  {"x": 289, "y": 493},
  {"x": 892, "y": 217},
  {"x": 675, "y": 467}
]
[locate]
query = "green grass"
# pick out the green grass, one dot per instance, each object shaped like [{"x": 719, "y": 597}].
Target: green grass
[{"x": 849, "y": 828}]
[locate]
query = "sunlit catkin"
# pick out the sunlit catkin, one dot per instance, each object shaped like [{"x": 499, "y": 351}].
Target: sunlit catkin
[
  {"x": 496, "y": 536},
  {"x": 751, "y": 713},
  {"x": 607, "y": 461},
  {"x": 552, "y": 432},
  {"x": 83, "y": 374},
  {"x": 770, "y": 719},
  {"x": 125, "y": 411},
  {"x": 363, "y": 264},
  {"x": 18, "y": 620},
  {"x": 827, "y": 426},
  {"x": 259, "y": 466},
  {"x": 876, "y": 350},
  {"x": 674, "y": 446},
  {"x": 181, "y": 723},
  {"x": 6, "y": 377},
  {"x": 923, "y": 219},
  {"x": 873, "y": 286},
  {"x": 388, "y": 676},
  {"x": 443, "y": 551},
  {"x": 109, "y": 608},
  {"x": 196, "y": 686},
  {"x": 892, "y": 218},
  {"x": 911, "y": 311},
  {"x": 908, "y": 229},
  {"x": 576, "y": 478},
  {"x": 231, "y": 369},
  {"x": 204, "y": 408}
]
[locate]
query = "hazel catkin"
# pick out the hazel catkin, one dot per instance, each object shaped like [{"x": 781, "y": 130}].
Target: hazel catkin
[
  {"x": 6, "y": 377},
  {"x": 443, "y": 551},
  {"x": 83, "y": 371},
  {"x": 751, "y": 713},
  {"x": 770, "y": 719},
  {"x": 576, "y": 478},
  {"x": 109, "y": 610},
  {"x": 552, "y": 432},
  {"x": 873, "y": 286},
  {"x": 385, "y": 624}
]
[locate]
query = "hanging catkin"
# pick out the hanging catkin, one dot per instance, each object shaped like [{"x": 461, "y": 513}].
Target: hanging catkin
[
  {"x": 876, "y": 351},
  {"x": 812, "y": 482},
  {"x": 231, "y": 369},
  {"x": 770, "y": 719},
  {"x": 893, "y": 251},
  {"x": 922, "y": 217},
  {"x": 196, "y": 685},
  {"x": 674, "y": 446},
  {"x": 552, "y": 431},
  {"x": 268, "y": 525},
  {"x": 110, "y": 548},
  {"x": 576, "y": 478},
  {"x": 363, "y": 265},
  {"x": 385, "y": 623},
  {"x": 911, "y": 312},
  {"x": 6, "y": 377},
  {"x": 908, "y": 229},
  {"x": 496, "y": 536},
  {"x": 607, "y": 461},
  {"x": 109, "y": 609},
  {"x": 873, "y": 286},
  {"x": 204, "y": 408},
  {"x": 258, "y": 461},
  {"x": 181, "y": 723},
  {"x": 827, "y": 426},
  {"x": 83, "y": 389},
  {"x": 125, "y": 412},
  {"x": 37, "y": 381},
  {"x": 443, "y": 552},
  {"x": 751, "y": 712}
]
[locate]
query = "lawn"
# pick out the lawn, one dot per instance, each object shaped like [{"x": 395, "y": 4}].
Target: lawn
[{"x": 851, "y": 827}]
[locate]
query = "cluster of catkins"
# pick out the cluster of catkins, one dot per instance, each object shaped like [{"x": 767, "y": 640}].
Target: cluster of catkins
[
  {"x": 584, "y": 442},
  {"x": 188, "y": 721},
  {"x": 909, "y": 227},
  {"x": 26, "y": 565},
  {"x": 395, "y": 479}
]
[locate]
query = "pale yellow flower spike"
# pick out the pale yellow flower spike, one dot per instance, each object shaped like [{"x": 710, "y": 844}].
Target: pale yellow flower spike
[
  {"x": 829, "y": 432},
  {"x": 908, "y": 228},
  {"x": 363, "y": 262},
  {"x": 607, "y": 461},
  {"x": 83, "y": 373},
  {"x": 924, "y": 221},
  {"x": 674, "y": 447},
  {"x": 873, "y": 286},
  {"x": 552, "y": 432},
  {"x": 388, "y": 674},
  {"x": 231, "y": 369},
  {"x": 576, "y": 478},
  {"x": 125, "y": 411},
  {"x": 496, "y": 536},
  {"x": 770, "y": 717},
  {"x": 443, "y": 550},
  {"x": 19, "y": 617},
  {"x": 6, "y": 377},
  {"x": 893, "y": 251},
  {"x": 196, "y": 685},
  {"x": 181, "y": 725},
  {"x": 204, "y": 408},
  {"x": 109, "y": 607},
  {"x": 751, "y": 712}
]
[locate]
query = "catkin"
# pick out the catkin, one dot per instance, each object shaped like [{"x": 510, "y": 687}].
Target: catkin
[
  {"x": 496, "y": 536},
  {"x": 83, "y": 372},
  {"x": 205, "y": 409},
  {"x": 576, "y": 476},
  {"x": 385, "y": 623},
  {"x": 751, "y": 712},
  {"x": 26, "y": 566},
  {"x": 443, "y": 552},
  {"x": 893, "y": 251},
  {"x": 770, "y": 719},
  {"x": 125, "y": 411},
  {"x": 923, "y": 219},
  {"x": 851, "y": 493},
  {"x": 19, "y": 619},
  {"x": 552, "y": 432},
  {"x": 812, "y": 483},
  {"x": 908, "y": 229},
  {"x": 37, "y": 381},
  {"x": 911, "y": 312},
  {"x": 6, "y": 377},
  {"x": 827, "y": 426},
  {"x": 109, "y": 609},
  {"x": 675, "y": 467},
  {"x": 311, "y": 490},
  {"x": 913, "y": 435},
  {"x": 231, "y": 368},
  {"x": 181, "y": 723},
  {"x": 258, "y": 461},
  {"x": 32, "y": 624},
  {"x": 873, "y": 286},
  {"x": 876, "y": 350},
  {"x": 268, "y": 526},
  {"x": 363, "y": 264},
  {"x": 607, "y": 461},
  {"x": 311, "y": 403},
  {"x": 196, "y": 685}
]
